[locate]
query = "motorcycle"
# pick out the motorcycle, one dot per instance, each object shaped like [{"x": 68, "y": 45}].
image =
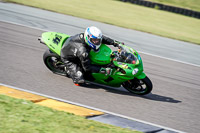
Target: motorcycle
[{"x": 126, "y": 64}]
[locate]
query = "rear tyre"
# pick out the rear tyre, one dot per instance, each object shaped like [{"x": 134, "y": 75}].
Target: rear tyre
[
  {"x": 53, "y": 62},
  {"x": 138, "y": 86}
]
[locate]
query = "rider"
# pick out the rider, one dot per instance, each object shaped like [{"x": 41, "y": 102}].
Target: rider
[{"x": 75, "y": 52}]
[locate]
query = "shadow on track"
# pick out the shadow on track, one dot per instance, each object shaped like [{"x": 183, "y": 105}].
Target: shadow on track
[
  {"x": 156, "y": 97},
  {"x": 122, "y": 91}
]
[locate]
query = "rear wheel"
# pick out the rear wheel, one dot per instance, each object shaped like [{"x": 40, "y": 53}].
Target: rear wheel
[
  {"x": 53, "y": 62},
  {"x": 139, "y": 86}
]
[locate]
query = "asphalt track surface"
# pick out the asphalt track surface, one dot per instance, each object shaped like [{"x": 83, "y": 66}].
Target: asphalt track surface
[
  {"x": 143, "y": 42},
  {"x": 174, "y": 101}
]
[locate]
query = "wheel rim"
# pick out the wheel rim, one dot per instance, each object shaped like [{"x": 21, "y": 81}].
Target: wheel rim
[
  {"x": 53, "y": 64},
  {"x": 138, "y": 87}
]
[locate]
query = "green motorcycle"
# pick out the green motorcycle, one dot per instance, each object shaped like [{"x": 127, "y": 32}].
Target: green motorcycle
[{"x": 126, "y": 64}]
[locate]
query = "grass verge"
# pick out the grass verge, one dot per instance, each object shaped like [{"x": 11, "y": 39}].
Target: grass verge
[
  {"x": 21, "y": 116},
  {"x": 125, "y": 15}
]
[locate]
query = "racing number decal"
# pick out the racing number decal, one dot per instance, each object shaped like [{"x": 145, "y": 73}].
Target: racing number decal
[{"x": 57, "y": 39}]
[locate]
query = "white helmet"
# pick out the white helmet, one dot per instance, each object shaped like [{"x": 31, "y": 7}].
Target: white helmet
[{"x": 93, "y": 37}]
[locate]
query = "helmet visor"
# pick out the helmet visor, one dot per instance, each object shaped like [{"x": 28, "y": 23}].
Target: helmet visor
[{"x": 95, "y": 41}]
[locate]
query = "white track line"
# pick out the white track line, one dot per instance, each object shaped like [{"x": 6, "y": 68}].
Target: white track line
[
  {"x": 89, "y": 107},
  {"x": 138, "y": 51},
  {"x": 170, "y": 59},
  {"x": 23, "y": 25}
]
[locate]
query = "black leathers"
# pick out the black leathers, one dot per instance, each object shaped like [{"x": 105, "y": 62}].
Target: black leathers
[{"x": 75, "y": 55}]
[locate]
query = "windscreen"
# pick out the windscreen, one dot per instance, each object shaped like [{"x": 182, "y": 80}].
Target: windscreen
[{"x": 124, "y": 56}]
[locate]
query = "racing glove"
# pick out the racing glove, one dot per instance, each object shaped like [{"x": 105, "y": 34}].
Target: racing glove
[
  {"x": 106, "y": 71},
  {"x": 117, "y": 43}
]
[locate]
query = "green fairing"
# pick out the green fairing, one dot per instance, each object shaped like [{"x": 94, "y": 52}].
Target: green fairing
[
  {"x": 142, "y": 75},
  {"x": 102, "y": 57},
  {"x": 116, "y": 78},
  {"x": 54, "y": 40}
]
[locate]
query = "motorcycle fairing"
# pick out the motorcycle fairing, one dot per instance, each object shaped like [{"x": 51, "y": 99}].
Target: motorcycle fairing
[
  {"x": 54, "y": 41},
  {"x": 102, "y": 57},
  {"x": 124, "y": 71}
]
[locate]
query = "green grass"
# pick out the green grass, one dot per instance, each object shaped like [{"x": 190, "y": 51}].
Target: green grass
[
  {"x": 21, "y": 116},
  {"x": 188, "y": 4},
  {"x": 126, "y": 15}
]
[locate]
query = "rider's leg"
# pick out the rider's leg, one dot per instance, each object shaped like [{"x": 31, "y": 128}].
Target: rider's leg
[{"x": 74, "y": 72}]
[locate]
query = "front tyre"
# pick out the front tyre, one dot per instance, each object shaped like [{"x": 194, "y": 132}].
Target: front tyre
[
  {"x": 138, "y": 86},
  {"x": 53, "y": 62}
]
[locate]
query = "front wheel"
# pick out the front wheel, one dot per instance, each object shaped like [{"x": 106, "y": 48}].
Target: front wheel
[{"x": 138, "y": 86}]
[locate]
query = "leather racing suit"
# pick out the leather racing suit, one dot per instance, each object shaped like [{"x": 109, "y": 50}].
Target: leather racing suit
[{"x": 75, "y": 55}]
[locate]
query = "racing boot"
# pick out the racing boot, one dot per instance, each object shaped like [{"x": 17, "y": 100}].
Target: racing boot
[{"x": 78, "y": 78}]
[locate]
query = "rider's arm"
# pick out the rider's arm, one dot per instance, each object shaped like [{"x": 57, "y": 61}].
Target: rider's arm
[
  {"x": 83, "y": 55},
  {"x": 109, "y": 41}
]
